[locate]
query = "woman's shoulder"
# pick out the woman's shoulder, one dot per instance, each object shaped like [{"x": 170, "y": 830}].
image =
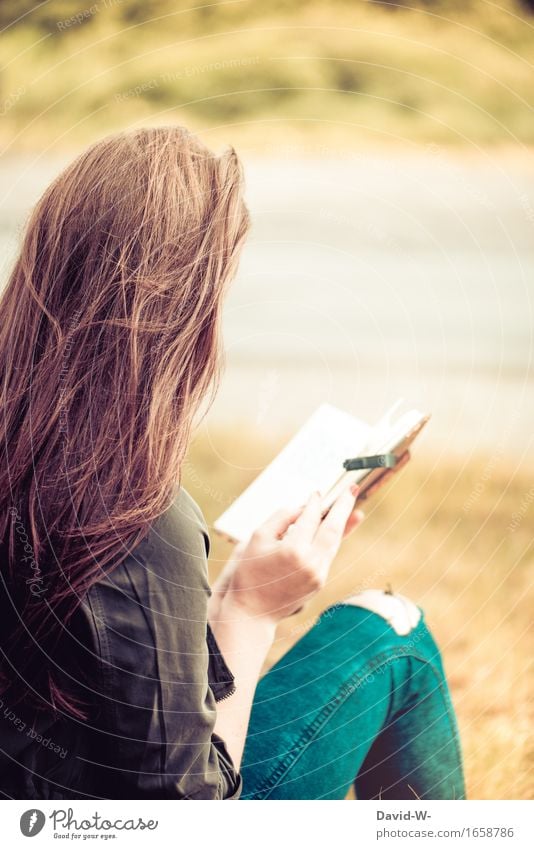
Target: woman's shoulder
[
  {"x": 180, "y": 530},
  {"x": 165, "y": 576}
]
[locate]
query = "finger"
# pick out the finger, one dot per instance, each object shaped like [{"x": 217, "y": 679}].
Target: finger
[
  {"x": 355, "y": 519},
  {"x": 304, "y": 529},
  {"x": 330, "y": 532},
  {"x": 277, "y": 524}
]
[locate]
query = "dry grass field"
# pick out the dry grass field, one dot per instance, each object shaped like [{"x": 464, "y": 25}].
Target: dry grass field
[{"x": 457, "y": 539}]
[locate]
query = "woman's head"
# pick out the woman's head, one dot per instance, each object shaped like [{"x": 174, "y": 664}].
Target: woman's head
[{"x": 109, "y": 344}]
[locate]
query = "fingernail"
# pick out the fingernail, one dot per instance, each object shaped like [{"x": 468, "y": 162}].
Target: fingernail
[
  {"x": 354, "y": 489},
  {"x": 360, "y": 515}
]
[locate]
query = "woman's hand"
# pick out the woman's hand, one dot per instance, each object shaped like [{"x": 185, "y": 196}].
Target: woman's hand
[{"x": 287, "y": 559}]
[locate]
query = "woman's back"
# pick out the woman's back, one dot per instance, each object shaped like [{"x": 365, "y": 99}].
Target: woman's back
[{"x": 136, "y": 656}]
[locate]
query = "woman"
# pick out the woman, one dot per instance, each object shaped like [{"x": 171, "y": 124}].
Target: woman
[{"x": 120, "y": 676}]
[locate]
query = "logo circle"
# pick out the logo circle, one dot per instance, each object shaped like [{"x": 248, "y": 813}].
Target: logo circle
[{"x": 32, "y": 822}]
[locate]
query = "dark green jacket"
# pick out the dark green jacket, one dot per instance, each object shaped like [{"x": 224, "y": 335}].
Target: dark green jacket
[{"x": 146, "y": 665}]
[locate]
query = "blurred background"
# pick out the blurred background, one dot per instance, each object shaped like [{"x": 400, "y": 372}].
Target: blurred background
[{"x": 387, "y": 150}]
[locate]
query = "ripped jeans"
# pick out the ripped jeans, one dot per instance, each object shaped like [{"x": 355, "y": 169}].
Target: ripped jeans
[{"x": 360, "y": 700}]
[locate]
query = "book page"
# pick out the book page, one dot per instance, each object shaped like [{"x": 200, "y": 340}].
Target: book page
[{"x": 311, "y": 460}]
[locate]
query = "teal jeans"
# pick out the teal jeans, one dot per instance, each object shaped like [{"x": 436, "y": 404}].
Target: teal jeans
[{"x": 355, "y": 703}]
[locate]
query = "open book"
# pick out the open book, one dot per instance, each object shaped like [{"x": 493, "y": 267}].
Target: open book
[{"x": 313, "y": 460}]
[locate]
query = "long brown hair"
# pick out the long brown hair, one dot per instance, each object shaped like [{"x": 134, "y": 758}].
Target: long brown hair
[{"x": 109, "y": 345}]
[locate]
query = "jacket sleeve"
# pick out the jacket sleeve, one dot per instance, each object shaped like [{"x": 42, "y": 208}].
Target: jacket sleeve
[{"x": 157, "y": 711}]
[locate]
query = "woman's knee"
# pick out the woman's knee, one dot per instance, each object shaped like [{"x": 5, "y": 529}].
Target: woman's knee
[
  {"x": 402, "y": 614},
  {"x": 384, "y": 621},
  {"x": 397, "y": 623}
]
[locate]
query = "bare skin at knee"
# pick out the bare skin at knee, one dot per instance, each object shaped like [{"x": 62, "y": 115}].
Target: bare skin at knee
[{"x": 400, "y": 612}]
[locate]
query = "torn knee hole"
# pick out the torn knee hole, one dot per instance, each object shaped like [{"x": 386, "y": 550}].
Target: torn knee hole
[{"x": 400, "y": 612}]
